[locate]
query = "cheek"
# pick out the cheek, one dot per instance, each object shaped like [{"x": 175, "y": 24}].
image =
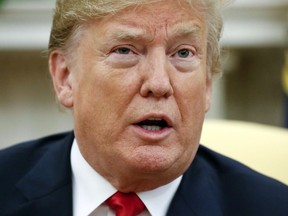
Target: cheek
[
  {"x": 192, "y": 101},
  {"x": 192, "y": 96},
  {"x": 103, "y": 97}
]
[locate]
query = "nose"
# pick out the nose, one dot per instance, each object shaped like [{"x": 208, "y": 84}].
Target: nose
[{"x": 156, "y": 79}]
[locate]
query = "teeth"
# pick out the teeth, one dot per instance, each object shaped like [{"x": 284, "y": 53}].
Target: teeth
[
  {"x": 154, "y": 119},
  {"x": 151, "y": 127}
]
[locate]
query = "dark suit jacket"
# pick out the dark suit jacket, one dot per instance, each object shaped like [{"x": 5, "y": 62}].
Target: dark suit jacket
[{"x": 36, "y": 181}]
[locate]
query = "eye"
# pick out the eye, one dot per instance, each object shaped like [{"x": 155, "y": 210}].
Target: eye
[
  {"x": 185, "y": 58},
  {"x": 123, "y": 56},
  {"x": 123, "y": 50},
  {"x": 184, "y": 53}
]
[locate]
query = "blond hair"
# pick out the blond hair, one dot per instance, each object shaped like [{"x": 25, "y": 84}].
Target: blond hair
[{"x": 71, "y": 14}]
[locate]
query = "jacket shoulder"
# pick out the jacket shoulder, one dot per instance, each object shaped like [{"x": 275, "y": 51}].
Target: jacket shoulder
[
  {"x": 16, "y": 160},
  {"x": 243, "y": 189},
  {"x": 35, "y": 170},
  {"x": 30, "y": 150}
]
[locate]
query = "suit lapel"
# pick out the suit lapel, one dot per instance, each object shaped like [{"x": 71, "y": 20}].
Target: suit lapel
[
  {"x": 198, "y": 193},
  {"x": 47, "y": 186}
]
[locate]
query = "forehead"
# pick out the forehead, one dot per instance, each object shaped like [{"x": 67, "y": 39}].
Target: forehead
[
  {"x": 173, "y": 16},
  {"x": 165, "y": 10}
]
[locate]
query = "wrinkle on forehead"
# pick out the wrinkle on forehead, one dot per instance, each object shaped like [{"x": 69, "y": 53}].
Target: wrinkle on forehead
[
  {"x": 134, "y": 33},
  {"x": 151, "y": 21}
]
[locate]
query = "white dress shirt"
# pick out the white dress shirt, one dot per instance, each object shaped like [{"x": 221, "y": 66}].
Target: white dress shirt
[{"x": 90, "y": 190}]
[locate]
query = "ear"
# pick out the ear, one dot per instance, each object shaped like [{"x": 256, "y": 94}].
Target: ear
[
  {"x": 61, "y": 77},
  {"x": 208, "y": 93}
]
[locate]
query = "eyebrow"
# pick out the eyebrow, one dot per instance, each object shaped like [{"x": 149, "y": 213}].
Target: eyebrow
[
  {"x": 185, "y": 29},
  {"x": 182, "y": 29},
  {"x": 125, "y": 35}
]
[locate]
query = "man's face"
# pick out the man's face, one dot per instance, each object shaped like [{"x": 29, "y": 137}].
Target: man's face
[{"x": 139, "y": 92}]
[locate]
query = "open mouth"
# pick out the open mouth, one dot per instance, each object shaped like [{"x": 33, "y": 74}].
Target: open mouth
[{"x": 153, "y": 124}]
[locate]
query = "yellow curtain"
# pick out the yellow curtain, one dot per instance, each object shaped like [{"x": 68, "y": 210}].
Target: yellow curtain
[{"x": 285, "y": 74}]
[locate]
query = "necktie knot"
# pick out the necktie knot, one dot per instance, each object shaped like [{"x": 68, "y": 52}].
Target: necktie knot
[{"x": 125, "y": 204}]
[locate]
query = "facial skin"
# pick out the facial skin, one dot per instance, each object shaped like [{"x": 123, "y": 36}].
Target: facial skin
[{"x": 147, "y": 62}]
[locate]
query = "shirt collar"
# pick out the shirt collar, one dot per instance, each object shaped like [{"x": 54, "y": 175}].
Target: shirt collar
[{"x": 90, "y": 189}]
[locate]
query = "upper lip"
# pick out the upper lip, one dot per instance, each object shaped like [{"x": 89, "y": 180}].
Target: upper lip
[{"x": 155, "y": 117}]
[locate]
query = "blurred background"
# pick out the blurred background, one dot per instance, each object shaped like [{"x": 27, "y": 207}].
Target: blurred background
[{"x": 255, "y": 41}]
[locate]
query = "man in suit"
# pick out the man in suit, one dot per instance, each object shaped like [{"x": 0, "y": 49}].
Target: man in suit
[{"x": 137, "y": 76}]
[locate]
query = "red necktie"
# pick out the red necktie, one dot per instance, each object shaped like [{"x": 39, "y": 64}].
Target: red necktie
[{"x": 125, "y": 204}]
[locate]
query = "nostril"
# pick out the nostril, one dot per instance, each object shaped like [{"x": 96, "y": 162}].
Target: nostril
[{"x": 157, "y": 88}]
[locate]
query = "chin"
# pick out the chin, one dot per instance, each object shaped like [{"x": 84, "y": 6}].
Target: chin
[
  {"x": 154, "y": 159},
  {"x": 147, "y": 168}
]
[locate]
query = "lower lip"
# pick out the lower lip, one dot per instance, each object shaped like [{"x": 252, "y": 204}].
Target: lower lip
[{"x": 152, "y": 135}]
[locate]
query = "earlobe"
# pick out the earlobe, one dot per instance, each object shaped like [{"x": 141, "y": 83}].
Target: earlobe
[
  {"x": 61, "y": 76},
  {"x": 208, "y": 93}
]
